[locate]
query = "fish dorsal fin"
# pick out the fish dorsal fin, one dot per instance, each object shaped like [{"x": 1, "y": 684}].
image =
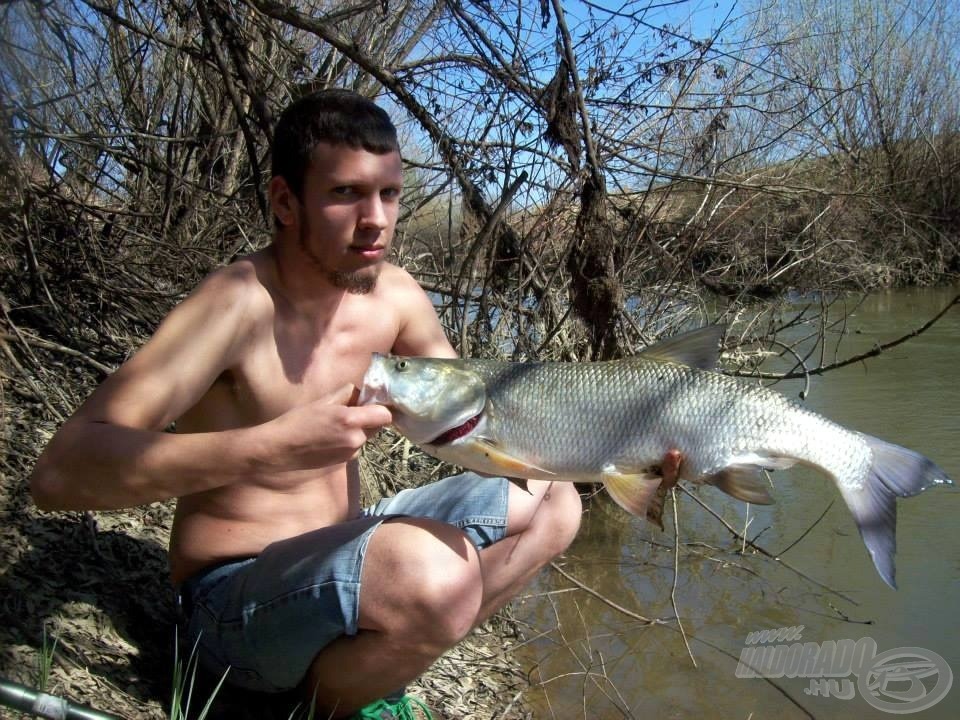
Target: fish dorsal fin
[
  {"x": 698, "y": 348},
  {"x": 631, "y": 491},
  {"x": 744, "y": 482}
]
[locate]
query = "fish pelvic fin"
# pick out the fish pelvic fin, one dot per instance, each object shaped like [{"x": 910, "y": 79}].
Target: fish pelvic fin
[
  {"x": 745, "y": 482},
  {"x": 631, "y": 491},
  {"x": 697, "y": 348},
  {"x": 520, "y": 483},
  {"x": 895, "y": 472}
]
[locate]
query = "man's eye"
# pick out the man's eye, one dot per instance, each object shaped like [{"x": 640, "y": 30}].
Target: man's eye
[
  {"x": 343, "y": 190},
  {"x": 390, "y": 193}
]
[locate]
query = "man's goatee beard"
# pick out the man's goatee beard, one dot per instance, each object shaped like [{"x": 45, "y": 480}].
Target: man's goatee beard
[{"x": 357, "y": 282}]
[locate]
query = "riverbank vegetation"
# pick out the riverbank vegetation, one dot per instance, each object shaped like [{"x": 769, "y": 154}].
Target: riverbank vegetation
[{"x": 579, "y": 182}]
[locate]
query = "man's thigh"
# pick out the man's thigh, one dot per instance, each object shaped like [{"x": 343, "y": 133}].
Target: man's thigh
[{"x": 266, "y": 618}]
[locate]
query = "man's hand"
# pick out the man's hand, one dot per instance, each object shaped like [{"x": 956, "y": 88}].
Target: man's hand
[
  {"x": 327, "y": 431},
  {"x": 669, "y": 471},
  {"x": 670, "y": 468}
]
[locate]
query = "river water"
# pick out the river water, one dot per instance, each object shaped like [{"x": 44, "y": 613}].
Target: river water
[{"x": 592, "y": 660}]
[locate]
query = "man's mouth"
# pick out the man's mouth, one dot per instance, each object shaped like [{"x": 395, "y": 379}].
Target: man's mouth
[{"x": 369, "y": 252}]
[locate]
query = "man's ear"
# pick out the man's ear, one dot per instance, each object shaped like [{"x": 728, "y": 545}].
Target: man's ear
[{"x": 283, "y": 202}]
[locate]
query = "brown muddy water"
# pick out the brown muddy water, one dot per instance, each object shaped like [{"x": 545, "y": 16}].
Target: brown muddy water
[{"x": 594, "y": 661}]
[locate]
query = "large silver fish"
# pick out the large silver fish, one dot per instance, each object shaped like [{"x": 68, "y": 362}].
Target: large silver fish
[{"x": 613, "y": 422}]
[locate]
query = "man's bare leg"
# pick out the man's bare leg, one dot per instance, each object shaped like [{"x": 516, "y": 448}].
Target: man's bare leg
[
  {"x": 541, "y": 524},
  {"x": 421, "y": 592},
  {"x": 425, "y": 586}
]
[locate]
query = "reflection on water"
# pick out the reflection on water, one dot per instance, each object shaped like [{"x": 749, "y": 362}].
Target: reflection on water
[{"x": 597, "y": 662}]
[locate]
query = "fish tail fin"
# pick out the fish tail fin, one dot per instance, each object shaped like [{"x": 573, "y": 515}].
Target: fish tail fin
[{"x": 895, "y": 472}]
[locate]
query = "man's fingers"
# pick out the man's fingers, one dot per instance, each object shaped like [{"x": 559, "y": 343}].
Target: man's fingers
[
  {"x": 371, "y": 416},
  {"x": 671, "y": 468}
]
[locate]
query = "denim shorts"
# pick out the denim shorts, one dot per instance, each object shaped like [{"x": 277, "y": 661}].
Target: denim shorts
[{"x": 266, "y": 617}]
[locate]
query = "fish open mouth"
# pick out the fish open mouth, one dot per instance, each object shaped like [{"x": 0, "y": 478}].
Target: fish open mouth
[{"x": 458, "y": 432}]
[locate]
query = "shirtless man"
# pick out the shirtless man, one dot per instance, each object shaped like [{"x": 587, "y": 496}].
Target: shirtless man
[{"x": 258, "y": 367}]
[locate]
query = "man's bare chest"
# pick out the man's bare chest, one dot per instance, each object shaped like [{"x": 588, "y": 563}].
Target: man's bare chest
[
  {"x": 294, "y": 366},
  {"x": 285, "y": 365}
]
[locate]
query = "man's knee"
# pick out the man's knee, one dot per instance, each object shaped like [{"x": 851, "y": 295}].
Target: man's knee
[
  {"x": 449, "y": 589},
  {"x": 422, "y": 580}
]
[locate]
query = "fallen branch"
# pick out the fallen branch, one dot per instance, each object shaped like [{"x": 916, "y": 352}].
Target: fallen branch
[
  {"x": 873, "y": 352},
  {"x": 604, "y": 599},
  {"x": 619, "y": 608},
  {"x": 676, "y": 573}
]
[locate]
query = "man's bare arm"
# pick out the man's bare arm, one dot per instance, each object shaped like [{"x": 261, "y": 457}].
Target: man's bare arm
[
  {"x": 97, "y": 465},
  {"x": 113, "y": 452}
]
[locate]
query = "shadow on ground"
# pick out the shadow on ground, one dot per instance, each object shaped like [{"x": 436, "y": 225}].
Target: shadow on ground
[{"x": 106, "y": 598}]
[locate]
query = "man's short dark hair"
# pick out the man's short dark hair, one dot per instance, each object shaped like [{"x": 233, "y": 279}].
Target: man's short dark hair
[{"x": 334, "y": 116}]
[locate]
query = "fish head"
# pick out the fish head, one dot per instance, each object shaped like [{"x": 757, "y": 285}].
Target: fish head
[{"x": 428, "y": 396}]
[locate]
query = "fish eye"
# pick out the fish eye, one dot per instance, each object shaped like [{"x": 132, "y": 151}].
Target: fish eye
[{"x": 402, "y": 365}]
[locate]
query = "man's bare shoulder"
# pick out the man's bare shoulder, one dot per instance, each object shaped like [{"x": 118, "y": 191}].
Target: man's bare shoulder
[
  {"x": 247, "y": 276},
  {"x": 420, "y": 332},
  {"x": 215, "y": 321},
  {"x": 397, "y": 279},
  {"x": 237, "y": 292},
  {"x": 397, "y": 285}
]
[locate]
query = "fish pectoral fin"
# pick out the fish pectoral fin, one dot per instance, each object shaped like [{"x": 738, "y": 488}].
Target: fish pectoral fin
[
  {"x": 509, "y": 465},
  {"x": 631, "y": 491},
  {"x": 744, "y": 482}
]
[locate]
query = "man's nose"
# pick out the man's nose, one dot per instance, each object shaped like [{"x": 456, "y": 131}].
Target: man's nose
[{"x": 373, "y": 214}]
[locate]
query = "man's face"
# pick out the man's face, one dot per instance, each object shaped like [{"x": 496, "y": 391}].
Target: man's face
[{"x": 348, "y": 213}]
